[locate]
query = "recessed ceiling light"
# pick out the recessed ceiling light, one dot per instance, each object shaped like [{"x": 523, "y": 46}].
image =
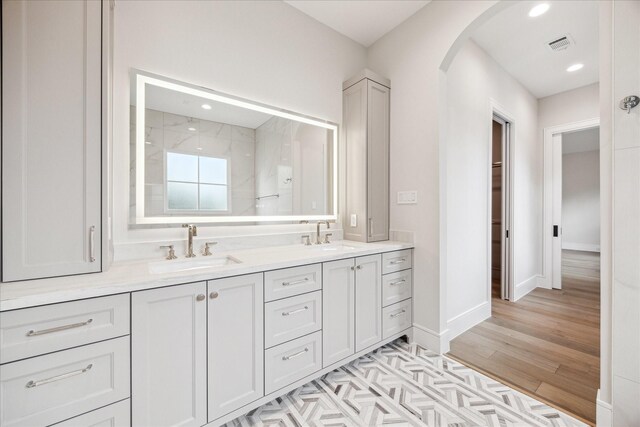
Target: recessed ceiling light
[
  {"x": 199, "y": 148},
  {"x": 206, "y": 106},
  {"x": 538, "y": 10},
  {"x": 575, "y": 67},
  {"x": 192, "y": 129}
]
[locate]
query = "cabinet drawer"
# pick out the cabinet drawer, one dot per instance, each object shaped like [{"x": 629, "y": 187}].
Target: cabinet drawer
[
  {"x": 396, "y": 318},
  {"x": 116, "y": 415},
  {"x": 396, "y": 261},
  {"x": 291, "y": 318},
  {"x": 47, "y": 389},
  {"x": 291, "y": 361},
  {"x": 288, "y": 282},
  {"x": 33, "y": 331},
  {"x": 396, "y": 287}
]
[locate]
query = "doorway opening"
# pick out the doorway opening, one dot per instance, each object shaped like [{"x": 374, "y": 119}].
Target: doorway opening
[
  {"x": 500, "y": 265},
  {"x": 575, "y": 206}
]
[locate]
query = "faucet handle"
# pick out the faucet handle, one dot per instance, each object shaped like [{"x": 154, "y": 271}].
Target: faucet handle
[
  {"x": 207, "y": 248},
  {"x": 172, "y": 252},
  {"x": 326, "y": 237},
  {"x": 306, "y": 240}
]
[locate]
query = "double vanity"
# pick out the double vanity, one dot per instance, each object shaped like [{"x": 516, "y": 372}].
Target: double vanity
[{"x": 195, "y": 341}]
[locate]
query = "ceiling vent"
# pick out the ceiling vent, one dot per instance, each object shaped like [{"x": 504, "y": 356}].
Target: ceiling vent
[{"x": 560, "y": 43}]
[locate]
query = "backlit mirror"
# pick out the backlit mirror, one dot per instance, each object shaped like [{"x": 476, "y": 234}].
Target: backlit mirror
[{"x": 201, "y": 156}]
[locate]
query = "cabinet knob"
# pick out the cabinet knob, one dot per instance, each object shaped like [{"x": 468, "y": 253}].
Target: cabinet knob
[
  {"x": 200, "y": 297},
  {"x": 213, "y": 295}
]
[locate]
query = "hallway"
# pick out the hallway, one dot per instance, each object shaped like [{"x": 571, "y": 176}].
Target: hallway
[{"x": 548, "y": 343}]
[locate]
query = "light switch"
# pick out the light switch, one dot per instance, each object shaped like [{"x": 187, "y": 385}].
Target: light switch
[
  {"x": 407, "y": 197},
  {"x": 354, "y": 220}
]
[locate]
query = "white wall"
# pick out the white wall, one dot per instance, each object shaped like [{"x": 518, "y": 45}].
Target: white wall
[
  {"x": 568, "y": 107},
  {"x": 411, "y": 56},
  {"x": 267, "y": 51},
  {"x": 581, "y": 201},
  {"x": 625, "y": 349},
  {"x": 474, "y": 80}
]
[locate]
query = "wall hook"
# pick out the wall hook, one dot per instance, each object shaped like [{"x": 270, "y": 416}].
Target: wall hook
[{"x": 629, "y": 102}]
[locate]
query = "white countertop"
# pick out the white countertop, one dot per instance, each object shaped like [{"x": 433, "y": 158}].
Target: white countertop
[{"x": 134, "y": 276}]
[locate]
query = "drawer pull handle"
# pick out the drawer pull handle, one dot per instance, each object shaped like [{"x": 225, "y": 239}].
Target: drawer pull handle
[
  {"x": 397, "y": 314},
  {"x": 32, "y": 384},
  {"x": 300, "y": 353},
  {"x": 33, "y": 333},
  {"x": 398, "y": 261},
  {"x": 295, "y": 282},
  {"x": 399, "y": 282},
  {"x": 287, "y": 313}
]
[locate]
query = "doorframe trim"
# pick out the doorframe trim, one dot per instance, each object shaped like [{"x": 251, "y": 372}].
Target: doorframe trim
[
  {"x": 547, "y": 191},
  {"x": 496, "y": 109}
]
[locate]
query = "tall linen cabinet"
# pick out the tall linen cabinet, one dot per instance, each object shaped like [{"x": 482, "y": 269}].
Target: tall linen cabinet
[
  {"x": 52, "y": 109},
  {"x": 366, "y": 102}
]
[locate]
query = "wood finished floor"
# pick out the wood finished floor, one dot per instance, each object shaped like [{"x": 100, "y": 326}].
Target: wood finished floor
[{"x": 548, "y": 343}]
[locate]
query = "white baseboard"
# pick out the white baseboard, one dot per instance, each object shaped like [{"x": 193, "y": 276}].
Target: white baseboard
[
  {"x": 587, "y": 247},
  {"x": 467, "y": 320},
  {"x": 432, "y": 340},
  {"x": 604, "y": 413},
  {"x": 526, "y": 286}
]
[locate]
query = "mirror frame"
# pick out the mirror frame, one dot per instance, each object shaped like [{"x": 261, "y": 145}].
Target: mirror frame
[{"x": 143, "y": 78}]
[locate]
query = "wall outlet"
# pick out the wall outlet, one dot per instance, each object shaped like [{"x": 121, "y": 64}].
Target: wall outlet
[
  {"x": 354, "y": 220},
  {"x": 407, "y": 197}
]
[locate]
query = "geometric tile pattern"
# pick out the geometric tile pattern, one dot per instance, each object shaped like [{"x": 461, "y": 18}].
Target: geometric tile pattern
[{"x": 403, "y": 384}]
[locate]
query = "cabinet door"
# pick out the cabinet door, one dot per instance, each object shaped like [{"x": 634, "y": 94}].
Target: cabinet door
[
  {"x": 355, "y": 141},
  {"x": 377, "y": 162},
  {"x": 368, "y": 301},
  {"x": 236, "y": 349},
  {"x": 338, "y": 310},
  {"x": 168, "y": 357},
  {"x": 51, "y": 138}
]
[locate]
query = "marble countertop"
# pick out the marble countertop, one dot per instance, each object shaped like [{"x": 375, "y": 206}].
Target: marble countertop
[{"x": 134, "y": 276}]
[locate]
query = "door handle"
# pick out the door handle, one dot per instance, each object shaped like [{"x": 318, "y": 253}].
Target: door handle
[{"x": 555, "y": 231}]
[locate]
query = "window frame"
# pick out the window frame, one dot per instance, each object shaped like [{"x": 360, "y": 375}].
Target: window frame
[{"x": 198, "y": 211}]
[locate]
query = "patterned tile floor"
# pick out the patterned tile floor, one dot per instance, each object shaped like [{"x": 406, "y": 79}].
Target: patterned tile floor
[{"x": 404, "y": 384}]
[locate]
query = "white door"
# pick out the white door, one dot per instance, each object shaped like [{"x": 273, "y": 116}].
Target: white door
[
  {"x": 236, "y": 350},
  {"x": 169, "y": 356},
  {"x": 51, "y": 138},
  {"x": 556, "y": 215},
  {"x": 338, "y": 310},
  {"x": 368, "y": 301},
  {"x": 377, "y": 161}
]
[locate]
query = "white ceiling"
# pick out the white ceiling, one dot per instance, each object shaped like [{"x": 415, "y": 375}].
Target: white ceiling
[
  {"x": 361, "y": 20},
  {"x": 171, "y": 101},
  {"x": 582, "y": 140},
  {"x": 519, "y": 44}
]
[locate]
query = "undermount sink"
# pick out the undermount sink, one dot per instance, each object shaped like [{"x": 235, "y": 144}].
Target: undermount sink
[
  {"x": 173, "y": 266},
  {"x": 338, "y": 247}
]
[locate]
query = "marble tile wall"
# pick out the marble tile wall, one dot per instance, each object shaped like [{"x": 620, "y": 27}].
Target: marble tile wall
[
  {"x": 282, "y": 147},
  {"x": 166, "y": 131}
]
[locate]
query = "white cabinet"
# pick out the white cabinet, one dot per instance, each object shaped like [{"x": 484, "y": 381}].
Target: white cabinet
[
  {"x": 116, "y": 415},
  {"x": 47, "y": 389},
  {"x": 338, "y": 310},
  {"x": 368, "y": 301},
  {"x": 352, "y": 306},
  {"x": 366, "y": 118},
  {"x": 236, "y": 344},
  {"x": 169, "y": 356},
  {"x": 51, "y": 138}
]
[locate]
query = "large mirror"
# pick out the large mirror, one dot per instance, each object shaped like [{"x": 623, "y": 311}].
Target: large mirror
[{"x": 201, "y": 156}]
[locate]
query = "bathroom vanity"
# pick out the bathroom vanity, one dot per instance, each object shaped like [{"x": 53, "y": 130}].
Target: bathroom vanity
[{"x": 198, "y": 344}]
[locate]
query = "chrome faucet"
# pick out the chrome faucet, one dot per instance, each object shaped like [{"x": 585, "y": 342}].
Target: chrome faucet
[
  {"x": 193, "y": 231},
  {"x": 318, "y": 240}
]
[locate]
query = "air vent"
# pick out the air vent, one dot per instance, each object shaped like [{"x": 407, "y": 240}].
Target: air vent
[{"x": 560, "y": 43}]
